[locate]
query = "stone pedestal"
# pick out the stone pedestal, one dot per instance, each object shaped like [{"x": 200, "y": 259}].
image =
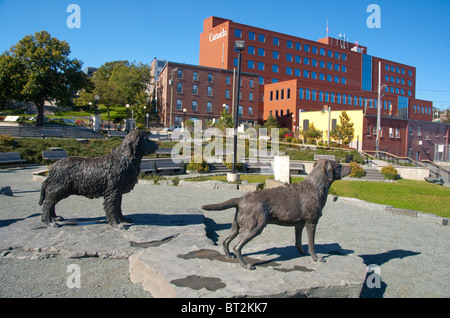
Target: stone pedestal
[
  {"x": 233, "y": 177},
  {"x": 97, "y": 123},
  {"x": 281, "y": 168},
  {"x": 130, "y": 124}
]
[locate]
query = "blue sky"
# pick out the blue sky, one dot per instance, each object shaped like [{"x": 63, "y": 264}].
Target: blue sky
[{"x": 413, "y": 32}]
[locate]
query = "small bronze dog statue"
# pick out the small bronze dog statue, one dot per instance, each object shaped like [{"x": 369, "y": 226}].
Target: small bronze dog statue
[
  {"x": 296, "y": 205},
  {"x": 109, "y": 176}
]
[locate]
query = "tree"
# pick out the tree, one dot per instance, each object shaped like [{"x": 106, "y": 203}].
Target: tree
[
  {"x": 312, "y": 133},
  {"x": 38, "y": 69},
  {"x": 226, "y": 120},
  {"x": 344, "y": 131},
  {"x": 119, "y": 83},
  {"x": 271, "y": 122}
]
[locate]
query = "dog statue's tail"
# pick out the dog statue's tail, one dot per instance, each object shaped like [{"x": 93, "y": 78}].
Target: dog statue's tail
[
  {"x": 232, "y": 203},
  {"x": 43, "y": 188}
]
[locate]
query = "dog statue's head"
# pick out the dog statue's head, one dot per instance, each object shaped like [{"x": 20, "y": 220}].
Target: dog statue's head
[
  {"x": 333, "y": 169},
  {"x": 137, "y": 142}
]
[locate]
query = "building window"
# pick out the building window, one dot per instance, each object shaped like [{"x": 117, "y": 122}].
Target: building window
[
  {"x": 209, "y": 107},
  {"x": 391, "y": 132},
  {"x": 300, "y": 93},
  {"x": 397, "y": 133},
  {"x": 261, "y": 68},
  {"x": 314, "y": 75},
  {"x": 289, "y": 44},
  {"x": 194, "y": 105},
  {"x": 261, "y": 38},
  {"x": 314, "y": 49},
  {"x": 275, "y": 68},
  {"x": 250, "y": 110},
  {"x": 298, "y": 46},
  {"x": 275, "y": 55},
  {"x": 251, "y": 50},
  {"x": 195, "y": 76},
  {"x": 321, "y": 96},
  {"x": 251, "y": 36},
  {"x": 271, "y": 96},
  {"x": 276, "y": 41},
  {"x": 261, "y": 52},
  {"x": 298, "y": 59},
  {"x": 209, "y": 92},
  {"x": 288, "y": 94},
  {"x": 194, "y": 89},
  {"x": 288, "y": 71},
  {"x": 307, "y": 94},
  {"x": 240, "y": 111},
  {"x": 305, "y": 74},
  {"x": 180, "y": 74},
  {"x": 289, "y": 57},
  {"x": 227, "y": 93},
  {"x": 306, "y": 61},
  {"x": 250, "y": 96},
  {"x": 179, "y": 87},
  {"x": 210, "y": 77},
  {"x": 419, "y": 130},
  {"x": 179, "y": 104},
  {"x": 228, "y": 80},
  {"x": 238, "y": 33},
  {"x": 297, "y": 72},
  {"x": 251, "y": 64},
  {"x": 313, "y": 62},
  {"x": 322, "y": 51},
  {"x": 178, "y": 120},
  {"x": 366, "y": 83},
  {"x": 306, "y": 48},
  {"x": 410, "y": 130}
]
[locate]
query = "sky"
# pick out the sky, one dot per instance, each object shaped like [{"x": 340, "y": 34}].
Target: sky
[{"x": 412, "y": 32}]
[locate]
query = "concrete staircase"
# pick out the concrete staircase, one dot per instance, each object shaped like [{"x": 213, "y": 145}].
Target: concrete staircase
[{"x": 372, "y": 174}]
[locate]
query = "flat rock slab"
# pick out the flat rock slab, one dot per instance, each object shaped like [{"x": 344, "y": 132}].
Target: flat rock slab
[
  {"x": 182, "y": 269},
  {"x": 94, "y": 237}
]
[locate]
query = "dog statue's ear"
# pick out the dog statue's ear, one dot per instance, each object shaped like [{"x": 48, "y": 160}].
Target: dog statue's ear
[{"x": 328, "y": 170}]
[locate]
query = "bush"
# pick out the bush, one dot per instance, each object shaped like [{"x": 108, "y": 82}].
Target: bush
[
  {"x": 389, "y": 172},
  {"x": 198, "y": 166},
  {"x": 357, "y": 170},
  {"x": 6, "y": 140}
]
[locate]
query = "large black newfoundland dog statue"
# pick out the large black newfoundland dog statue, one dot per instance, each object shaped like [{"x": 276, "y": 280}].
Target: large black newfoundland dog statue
[{"x": 109, "y": 176}]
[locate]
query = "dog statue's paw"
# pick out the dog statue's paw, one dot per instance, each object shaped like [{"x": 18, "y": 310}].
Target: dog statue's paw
[
  {"x": 250, "y": 267},
  {"x": 52, "y": 225},
  {"x": 126, "y": 220},
  {"x": 120, "y": 226},
  {"x": 57, "y": 219}
]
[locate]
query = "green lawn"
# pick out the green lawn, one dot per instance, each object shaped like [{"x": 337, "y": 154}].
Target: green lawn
[{"x": 403, "y": 194}]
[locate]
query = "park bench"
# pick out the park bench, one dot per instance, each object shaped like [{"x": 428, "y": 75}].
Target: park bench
[
  {"x": 148, "y": 166},
  {"x": 326, "y": 157},
  {"x": 11, "y": 157},
  {"x": 163, "y": 166},
  {"x": 54, "y": 154},
  {"x": 51, "y": 133},
  {"x": 163, "y": 151},
  {"x": 296, "y": 167},
  {"x": 258, "y": 166},
  {"x": 117, "y": 133}
]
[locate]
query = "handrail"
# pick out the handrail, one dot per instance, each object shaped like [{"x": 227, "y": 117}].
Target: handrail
[{"x": 388, "y": 154}]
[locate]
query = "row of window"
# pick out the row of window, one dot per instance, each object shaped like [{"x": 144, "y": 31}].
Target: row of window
[
  {"x": 210, "y": 78},
  {"x": 397, "y": 80},
  {"x": 420, "y": 109},
  {"x": 332, "y": 97},
  {"x": 299, "y": 73},
  {"x": 298, "y": 59},
  {"x": 292, "y": 45},
  {"x": 396, "y": 69},
  {"x": 209, "y": 91},
  {"x": 209, "y": 107}
]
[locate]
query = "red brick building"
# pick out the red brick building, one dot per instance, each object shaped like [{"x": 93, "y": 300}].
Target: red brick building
[
  {"x": 192, "y": 92},
  {"x": 297, "y": 74}
]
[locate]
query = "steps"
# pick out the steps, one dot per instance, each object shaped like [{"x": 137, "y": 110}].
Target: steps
[
  {"x": 217, "y": 167},
  {"x": 372, "y": 174}
]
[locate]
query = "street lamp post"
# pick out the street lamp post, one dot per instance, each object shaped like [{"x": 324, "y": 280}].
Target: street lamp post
[
  {"x": 171, "y": 96},
  {"x": 238, "y": 46}
]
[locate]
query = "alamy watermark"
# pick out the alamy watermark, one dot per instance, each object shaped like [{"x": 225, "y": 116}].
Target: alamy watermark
[
  {"x": 373, "y": 279},
  {"x": 215, "y": 148},
  {"x": 374, "y": 19},
  {"x": 74, "y": 279},
  {"x": 74, "y": 19}
]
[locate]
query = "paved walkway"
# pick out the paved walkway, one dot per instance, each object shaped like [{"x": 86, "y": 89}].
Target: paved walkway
[{"x": 411, "y": 254}]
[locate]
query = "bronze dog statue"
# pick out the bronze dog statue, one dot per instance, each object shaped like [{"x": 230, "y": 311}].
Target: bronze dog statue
[{"x": 296, "y": 205}]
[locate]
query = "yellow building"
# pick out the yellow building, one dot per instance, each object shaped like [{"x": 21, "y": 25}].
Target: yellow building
[{"x": 326, "y": 121}]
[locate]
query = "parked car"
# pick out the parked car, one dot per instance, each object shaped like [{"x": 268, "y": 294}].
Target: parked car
[{"x": 172, "y": 128}]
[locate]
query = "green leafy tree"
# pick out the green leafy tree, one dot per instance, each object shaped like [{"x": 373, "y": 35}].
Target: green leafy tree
[
  {"x": 344, "y": 131},
  {"x": 271, "y": 122},
  {"x": 312, "y": 133},
  {"x": 226, "y": 120},
  {"x": 38, "y": 69},
  {"x": 119, "y": 83}
]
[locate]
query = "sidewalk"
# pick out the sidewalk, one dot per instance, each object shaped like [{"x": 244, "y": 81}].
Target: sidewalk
[{"x": 412, "y": 255}]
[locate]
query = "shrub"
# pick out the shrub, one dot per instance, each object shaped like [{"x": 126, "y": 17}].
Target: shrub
[
  {"x": 357, "y": 171},
  {"x": 6, "y": 140},
  {"x": 389, "y": 172},
  {"x": 198, "y": 166}
]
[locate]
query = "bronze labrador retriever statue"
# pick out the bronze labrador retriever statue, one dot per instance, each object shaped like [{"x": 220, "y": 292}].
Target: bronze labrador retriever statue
[{"x": 296, "y": 205}]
